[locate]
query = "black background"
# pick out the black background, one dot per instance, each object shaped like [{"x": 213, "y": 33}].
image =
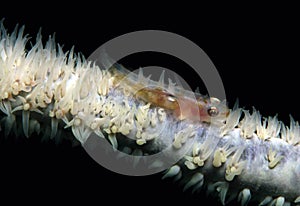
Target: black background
[{"x": 255, "y": 50}]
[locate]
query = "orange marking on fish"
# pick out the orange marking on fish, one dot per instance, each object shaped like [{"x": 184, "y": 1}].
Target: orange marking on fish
[{"x": 201, "y": 109}]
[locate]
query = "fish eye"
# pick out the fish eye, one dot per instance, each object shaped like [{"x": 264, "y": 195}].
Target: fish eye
[
  {"x": 213, "y": 111},
  {"x": 171, "y": 98}
]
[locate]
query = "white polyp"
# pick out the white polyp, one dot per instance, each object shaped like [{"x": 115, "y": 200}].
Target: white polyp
[
  {"x": 297, "y": 200},
  {"x": 161, "y": 81},
  {"x": 221, "y": 187},
  {"x": 25, "y": 122},
  {"x": 278, "y": 202},
  {"x": 113, "y": 140},
  {"x": 266, "y": 201},
  {"x": 54, "y": 127},
  {"x": 231, "y": 121},
  {"x": 173, "y": 171},
  {"x": 248, "y": 124},
  {"x": 197, "y": 178},
  {"x": 244, "y": 196}
]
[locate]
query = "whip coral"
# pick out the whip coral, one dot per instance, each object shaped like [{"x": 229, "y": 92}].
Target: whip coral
[{"x": 234, "y": 153}]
